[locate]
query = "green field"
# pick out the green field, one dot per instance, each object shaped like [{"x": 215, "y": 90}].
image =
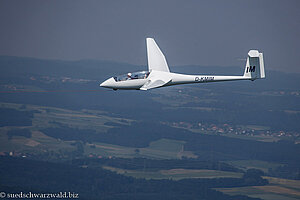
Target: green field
[
  {"x": 175, "y": 174},
  {"x": 160, "y": 149},
  {"x": 278, "y": 189},
  {"x": 166, "y": 149}
]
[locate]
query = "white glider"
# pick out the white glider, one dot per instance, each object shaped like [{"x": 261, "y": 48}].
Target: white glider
[{"x": 159, "y": 75}]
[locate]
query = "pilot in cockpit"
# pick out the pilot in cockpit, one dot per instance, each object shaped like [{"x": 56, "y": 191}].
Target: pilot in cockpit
[{"x": 129, "y": 76}]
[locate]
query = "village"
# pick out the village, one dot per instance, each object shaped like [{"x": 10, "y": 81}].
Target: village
[{"x": 250, "y": 130}]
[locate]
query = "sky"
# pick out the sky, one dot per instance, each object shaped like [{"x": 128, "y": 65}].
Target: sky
[{"x": 189, "y": 32}]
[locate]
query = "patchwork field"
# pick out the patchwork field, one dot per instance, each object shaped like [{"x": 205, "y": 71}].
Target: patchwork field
[
  {"x": 50, "y": 117},
  {"x": 36, "y": 142},
  {"x": 278, "y": 189}
]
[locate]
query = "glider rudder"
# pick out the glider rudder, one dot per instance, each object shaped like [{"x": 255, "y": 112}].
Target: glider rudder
[{"x": 254, "y": 65}]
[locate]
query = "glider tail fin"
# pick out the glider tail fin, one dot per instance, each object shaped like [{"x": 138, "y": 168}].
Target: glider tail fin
[
  {"x": 156, "y": 59},
  {"x": 255, "y": 68}
]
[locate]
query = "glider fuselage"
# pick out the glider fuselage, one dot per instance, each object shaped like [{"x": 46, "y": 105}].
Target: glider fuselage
[
  {"x": 159, "y": 75},
  {"x": 175, "y": 79}
]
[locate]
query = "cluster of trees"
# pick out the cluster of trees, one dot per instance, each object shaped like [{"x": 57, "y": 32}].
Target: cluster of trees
[
  {"x": 19, "y": 132},
  {"x": 13, "y": 117}
]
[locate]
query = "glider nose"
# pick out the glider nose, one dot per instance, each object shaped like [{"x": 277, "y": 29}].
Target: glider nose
[{"x": 109, "y": 83}]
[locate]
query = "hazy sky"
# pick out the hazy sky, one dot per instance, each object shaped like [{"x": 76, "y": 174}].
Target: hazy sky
[{"x": 210, "y": 33}]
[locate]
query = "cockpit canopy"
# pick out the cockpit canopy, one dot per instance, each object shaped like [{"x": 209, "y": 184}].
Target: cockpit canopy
[{"x": 132, "y": 76}]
